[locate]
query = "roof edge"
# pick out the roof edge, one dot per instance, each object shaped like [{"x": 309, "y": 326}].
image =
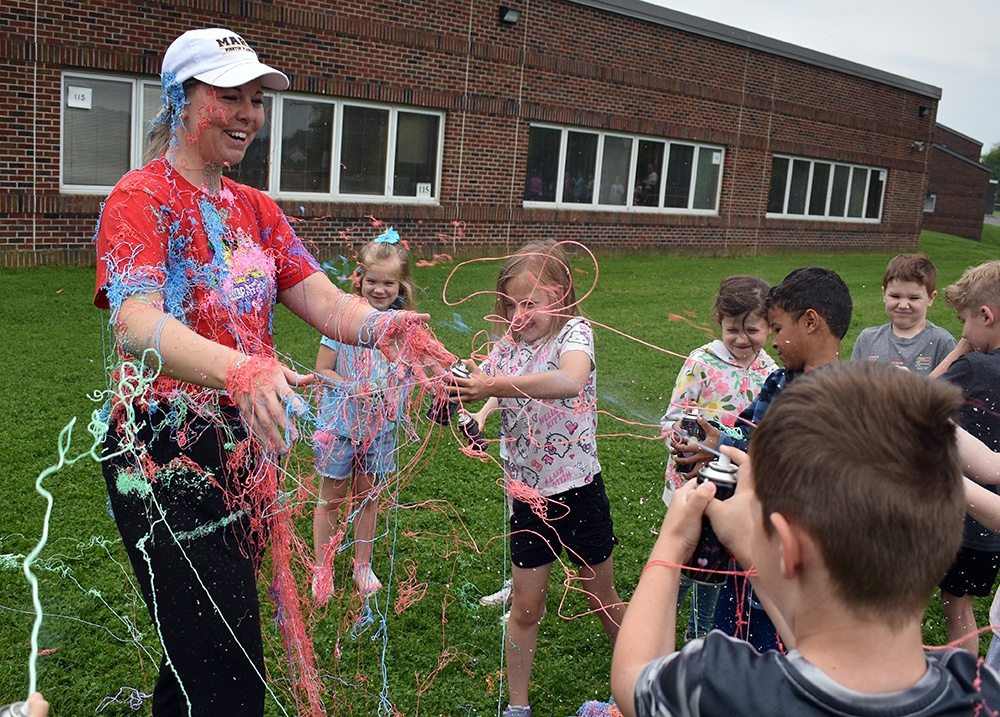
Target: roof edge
[
  {"x": 956, "y": 155},
  {"x": 955, "y": 132},
  {"x": 658, "y": 15}
]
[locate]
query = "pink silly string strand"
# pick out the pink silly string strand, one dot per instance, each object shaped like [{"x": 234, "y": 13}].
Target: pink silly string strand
[
  {"x": 677, "y": 317},
  {"x": 409, "y": 589}
]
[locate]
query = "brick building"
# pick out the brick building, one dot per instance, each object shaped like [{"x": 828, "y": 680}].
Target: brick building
[
  {"x": 958, "y": 185},
  {"x": 613, "y": 122}
]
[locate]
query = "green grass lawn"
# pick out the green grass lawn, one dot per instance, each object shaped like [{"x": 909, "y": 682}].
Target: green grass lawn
[{"x": 443, "y": 653}]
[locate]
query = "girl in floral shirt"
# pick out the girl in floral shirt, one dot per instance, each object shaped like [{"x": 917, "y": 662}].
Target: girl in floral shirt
[{"x": 720, "y": 378}]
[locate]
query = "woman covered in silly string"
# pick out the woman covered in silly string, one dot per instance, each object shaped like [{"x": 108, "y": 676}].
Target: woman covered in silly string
[
  {"x": 191, "y": 265},
  {"x": 360, "y": 405},
  {"x": 541, "y": 376}
]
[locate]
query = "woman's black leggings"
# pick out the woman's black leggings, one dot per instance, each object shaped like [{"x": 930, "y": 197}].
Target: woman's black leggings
[{"x": 196, "y": 560}]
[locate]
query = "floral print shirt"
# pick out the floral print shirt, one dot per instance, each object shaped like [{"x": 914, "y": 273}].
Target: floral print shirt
[{"x": 714, "y": 381}]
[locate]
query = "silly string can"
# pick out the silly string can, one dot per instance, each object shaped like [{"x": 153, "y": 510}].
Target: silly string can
[
  {"x": 710, "y": 556},
  {"x": 18, "y": 709},
  {"x": 692, "y": 430},
  {"x": 470, "y": 429},
  {"x": 442, "y": 409}
]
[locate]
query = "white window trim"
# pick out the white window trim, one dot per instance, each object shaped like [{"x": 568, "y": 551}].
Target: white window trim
[
  {"x": 135, "y": 145},
  {"x": 338, "y": 119},
  {"x": 930, "y": 202},
  {"x": 825, "y": 217},
  {"x": 138, "y": 130},
  {"x": 594, "y": 204}
]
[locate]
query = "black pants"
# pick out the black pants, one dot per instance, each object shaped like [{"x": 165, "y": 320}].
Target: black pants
[{"x": 196, "y": 560}]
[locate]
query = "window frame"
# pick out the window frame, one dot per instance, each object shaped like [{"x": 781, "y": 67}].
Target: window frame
[
  {"x": 831, "y": 182},
  {"x": 633, "y": 177},
  {"x": 138, "y": 84}
]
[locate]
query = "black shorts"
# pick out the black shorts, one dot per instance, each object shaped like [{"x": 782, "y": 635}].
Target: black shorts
[
  {"x": 972, "y": 573},
  {"x": 578, "y": 520}
]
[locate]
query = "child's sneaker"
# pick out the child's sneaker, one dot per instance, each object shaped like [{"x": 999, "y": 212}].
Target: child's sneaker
[
  {"x": 500, "y": 597},
  {"x": 322, "y": 584},
  {"x": 513, "y": 711},
  {"x": 365, "y": 579}
]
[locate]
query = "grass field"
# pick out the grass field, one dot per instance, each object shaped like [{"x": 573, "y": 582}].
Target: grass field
[{"x": 442, "y": 655}]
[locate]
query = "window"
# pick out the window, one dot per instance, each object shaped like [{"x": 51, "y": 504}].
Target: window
[
  {"x": 600, "y": 170},
  {"x": 816, "y": 189},
  {"x": 103, "y": 128},
  {"x": 930, "y": 201},
  {"x": 331, "y": 149},
  {"x": 308, "y": 148}
]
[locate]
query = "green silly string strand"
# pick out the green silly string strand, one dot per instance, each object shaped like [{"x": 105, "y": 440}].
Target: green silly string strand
[{"x": 65, "y": 438}]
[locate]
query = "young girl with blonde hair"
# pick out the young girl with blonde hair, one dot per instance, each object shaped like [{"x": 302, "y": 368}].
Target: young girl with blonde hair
[
  {"x": 541, "y": 376},
  {"x": 359, "y": 408}
]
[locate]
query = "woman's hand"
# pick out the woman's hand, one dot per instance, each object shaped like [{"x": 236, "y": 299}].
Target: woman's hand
[{"x": 262, "y": 388}]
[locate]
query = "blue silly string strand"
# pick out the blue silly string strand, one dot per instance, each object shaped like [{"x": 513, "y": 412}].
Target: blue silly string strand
[{"x": 172, "y": 103}]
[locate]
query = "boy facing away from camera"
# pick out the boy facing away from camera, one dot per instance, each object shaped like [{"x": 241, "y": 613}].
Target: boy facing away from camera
[
  {"x": 974, "y": 366},
  {"x": 909, "y": 340},
  {"x": 850, "y": 507},
  {"x": 809, "y": 313}
]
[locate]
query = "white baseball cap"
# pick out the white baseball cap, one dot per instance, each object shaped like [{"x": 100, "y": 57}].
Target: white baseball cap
[{"x": 218, "y": 57}]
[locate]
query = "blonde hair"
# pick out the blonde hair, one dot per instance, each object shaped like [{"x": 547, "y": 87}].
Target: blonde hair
[
  {"x": 548, "y": 264},
  {"x": 979, "y": 286},
  {"x": 164, "y": 125},
  {"x": 380, "y": 251}
]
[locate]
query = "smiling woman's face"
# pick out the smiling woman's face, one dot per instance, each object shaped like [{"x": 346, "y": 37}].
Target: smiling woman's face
[{"x": 220, "y": 123}]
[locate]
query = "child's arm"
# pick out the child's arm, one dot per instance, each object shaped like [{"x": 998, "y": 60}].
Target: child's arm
[
  {"x": 326, "y": 363},
  {"x": 982, "y": 505},
  {"x": 480, "y": 416},
  {"x": 567, "y": 381},
  {"x": 687, "y": 389},
  {"x": 649, "y": 625},
  {"x": 978, "y": 461},
  {"x": 961, "y": 348}
]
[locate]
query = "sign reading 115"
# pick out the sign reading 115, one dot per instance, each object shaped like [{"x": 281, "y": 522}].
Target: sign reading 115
[{"x": 79, "y": 97}]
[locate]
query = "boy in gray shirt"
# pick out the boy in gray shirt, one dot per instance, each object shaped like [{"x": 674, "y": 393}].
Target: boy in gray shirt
[{"x": 909, "y": 340}]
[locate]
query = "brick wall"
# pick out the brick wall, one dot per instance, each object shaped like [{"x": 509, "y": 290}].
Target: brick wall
[
  {"x": 562, "y": 63},
  {"x": 957, "y": 142},
  {"x": 961, "y": 189}
]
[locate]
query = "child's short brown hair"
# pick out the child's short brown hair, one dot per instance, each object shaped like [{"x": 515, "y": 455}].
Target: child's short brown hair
[
  {"x": 741, "y": 295},
  {"x": 978, "y": 286},
  {"x": 917, "y": 268},
  {"x": 863, "y": 457}
]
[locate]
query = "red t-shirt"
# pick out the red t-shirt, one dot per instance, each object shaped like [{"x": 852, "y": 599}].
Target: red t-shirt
[{"x": 219, "y": 260}]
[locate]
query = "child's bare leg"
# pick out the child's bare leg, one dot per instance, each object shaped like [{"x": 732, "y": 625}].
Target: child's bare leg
[
  {"x": 530, "y": 589},
  {"x": 326, "y": 517},
  {"x": 960, "y": 621},
  {"x": 366, "y": 498},
  {"x": 599, "y": 587}
]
